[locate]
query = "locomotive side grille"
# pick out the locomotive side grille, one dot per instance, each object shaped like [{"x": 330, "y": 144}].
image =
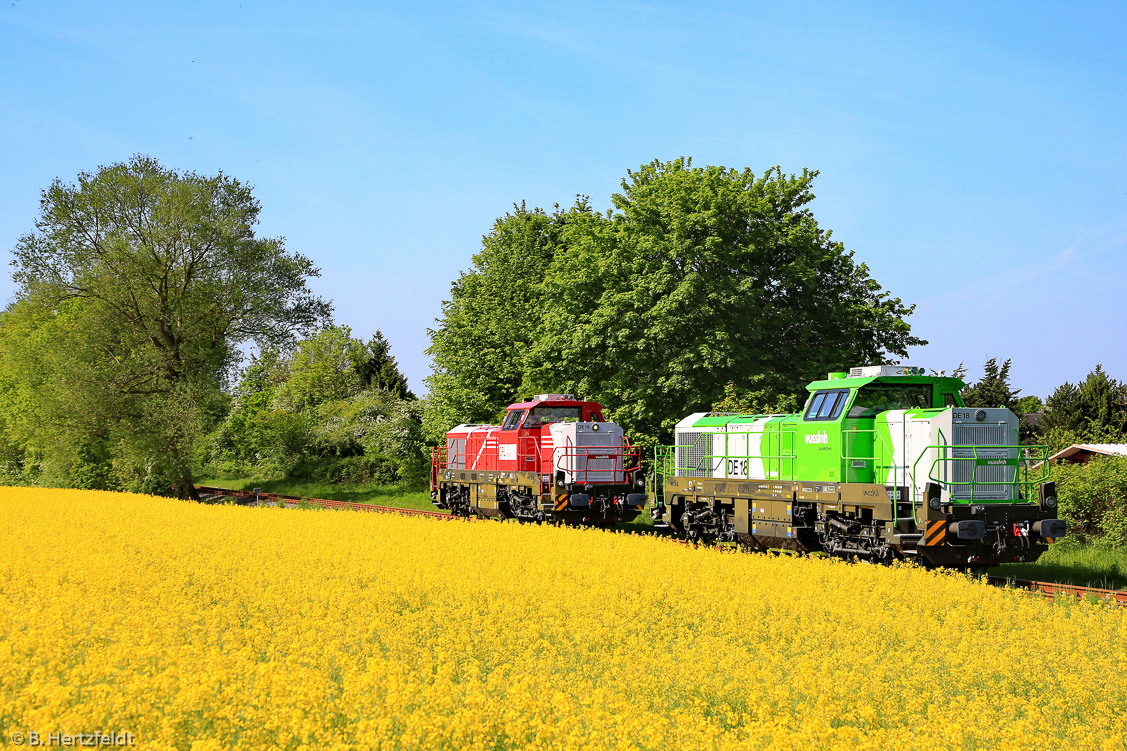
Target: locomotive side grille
[
  {"x": 990, "y": 482},
  {"x": 693, "y": 449}
]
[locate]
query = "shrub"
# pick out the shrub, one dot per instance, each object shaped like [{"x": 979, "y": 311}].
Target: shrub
[
  {"x": 375, "y": 469},
  {"x": 1093, "y": 497}
]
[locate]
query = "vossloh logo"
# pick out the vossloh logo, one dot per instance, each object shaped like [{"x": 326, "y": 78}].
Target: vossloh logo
[{"x": 817, "y": 438}]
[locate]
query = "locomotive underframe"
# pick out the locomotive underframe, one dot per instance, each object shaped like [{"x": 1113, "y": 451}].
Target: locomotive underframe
[
  {"x": 525, "y": 496},
  {"x": 848, "y": 520}
]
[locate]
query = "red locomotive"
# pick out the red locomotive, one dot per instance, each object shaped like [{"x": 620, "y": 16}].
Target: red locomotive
[{"x": 553, "y": 458}]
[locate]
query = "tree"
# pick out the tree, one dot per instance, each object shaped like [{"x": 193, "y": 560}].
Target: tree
[
  {"x": 1093, "y": 497},
  {"x": 162, "y": 277},
  {"x": 56, "y": 394},
  {"x": 322, "y": 368},
  {"x": 334, "y": 409},
  {"x": 491, "y": 320},
  {"x": 250, "y": 431},
  {"x": 993, "y": 389},
  {"x": 377, "y": 369},
  {"x": 699, "y": 278},
  {"x": 748, "y": 401},
  {"x": 1063, "y": 409},
  {"x": 1096, "y": 410},
  {"x": 1104, "y": 402}
]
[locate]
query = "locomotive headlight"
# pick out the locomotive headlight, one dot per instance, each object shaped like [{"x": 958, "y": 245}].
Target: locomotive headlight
[
  {"x": 934, "y": 503},
  {"x": 1047, "y": 494},
  {"x": 980, "y": 415}
]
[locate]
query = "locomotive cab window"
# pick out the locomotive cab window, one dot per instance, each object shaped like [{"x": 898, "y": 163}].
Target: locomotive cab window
[
  {"x": 539, "y": 416},
  {"x": 878, "y": 397},
  {"x": 826, "y": 405},
  {"x": 513, "y": 420}
]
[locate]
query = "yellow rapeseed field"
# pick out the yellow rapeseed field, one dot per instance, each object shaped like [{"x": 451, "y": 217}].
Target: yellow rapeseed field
[{"x": 204, "y": 627}]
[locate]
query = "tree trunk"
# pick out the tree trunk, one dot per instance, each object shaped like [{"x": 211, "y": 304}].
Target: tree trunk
[{"x": 184, "y": 488}]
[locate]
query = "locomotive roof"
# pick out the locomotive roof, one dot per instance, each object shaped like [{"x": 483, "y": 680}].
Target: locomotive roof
[
  {"x": 853, "y": 383},
  {"x": 715, "y": 419},
  {"x": 552, "y": 399}
]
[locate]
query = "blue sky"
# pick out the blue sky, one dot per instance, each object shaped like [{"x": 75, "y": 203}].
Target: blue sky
[{"x": 973, "y": 155}]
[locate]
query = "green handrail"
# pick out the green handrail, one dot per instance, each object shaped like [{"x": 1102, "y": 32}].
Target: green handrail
[
  {"x": 665, "y": 457},
  {"x": 1020, "y": 463}
]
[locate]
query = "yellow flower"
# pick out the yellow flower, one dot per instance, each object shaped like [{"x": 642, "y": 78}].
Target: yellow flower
[{"x": 201, "y": 627}]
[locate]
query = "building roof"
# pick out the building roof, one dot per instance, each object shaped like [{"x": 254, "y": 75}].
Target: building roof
[{"x": 1106, "y": 449}]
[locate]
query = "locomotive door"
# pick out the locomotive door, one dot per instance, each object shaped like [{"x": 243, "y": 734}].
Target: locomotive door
[
  {"x": 898, "y": 462},
  {"x": 528, "y": 452},
  {"x": 508, "y": 443}
]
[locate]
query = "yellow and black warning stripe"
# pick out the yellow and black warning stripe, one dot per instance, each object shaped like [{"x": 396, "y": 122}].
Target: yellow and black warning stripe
[
  {"x": 561, "y": 502},
  {"x": 936, "y": 532}
]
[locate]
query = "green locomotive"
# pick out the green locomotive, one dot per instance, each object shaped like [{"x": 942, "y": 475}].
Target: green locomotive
[{"x": 883, "y": 463}]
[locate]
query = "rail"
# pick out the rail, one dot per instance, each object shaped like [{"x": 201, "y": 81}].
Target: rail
[
  {"x": 1022, "y": 464},
  {"x": 296, "y": 500},
  {"x": 437, "y": 464},
  {"x": 777, "y": 465},
  {"x": 628, "y": 458},
  {"x": 1056, "y": 589}
]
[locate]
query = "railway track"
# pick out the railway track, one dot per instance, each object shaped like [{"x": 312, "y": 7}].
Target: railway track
[
  {"x": 1054, "y": 589},
  {"x": 1046, "y": 589},
  {"x": 296, "y": 500}
]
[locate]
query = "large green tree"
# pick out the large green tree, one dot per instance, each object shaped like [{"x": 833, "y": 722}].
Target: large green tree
[
  {"x": 704, "y": 277},
  {"x": 161, "y": 277},
  {"x": 490, "y": 322}
]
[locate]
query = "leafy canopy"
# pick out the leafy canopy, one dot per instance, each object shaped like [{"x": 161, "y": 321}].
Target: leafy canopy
[
  {"x": 702, "y": 277},
  {"x": 701, "y": 284},
  {"x": 491, "y": 320},
  {"x": 163, "y": 277},
  {"x": 330, "y": 399}
]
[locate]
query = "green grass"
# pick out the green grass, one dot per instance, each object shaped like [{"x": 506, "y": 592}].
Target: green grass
[
  {"x": 1072, "y": 562},
  {"x": 380, "y": 495}
]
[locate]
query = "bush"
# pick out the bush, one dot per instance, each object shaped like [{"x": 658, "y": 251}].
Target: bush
[
  {"x": 376, "y": 469},
  {"x": 401, "y": 435},
  {"x": 1093, "y": 498}
]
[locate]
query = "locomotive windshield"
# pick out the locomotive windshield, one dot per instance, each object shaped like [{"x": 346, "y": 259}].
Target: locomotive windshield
[
  {"x": 513, "y": 419},
  {"x": 879, "y": 397},
  {"x": 826, "y": 405},
  {"x": 545, "y": 415}
]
